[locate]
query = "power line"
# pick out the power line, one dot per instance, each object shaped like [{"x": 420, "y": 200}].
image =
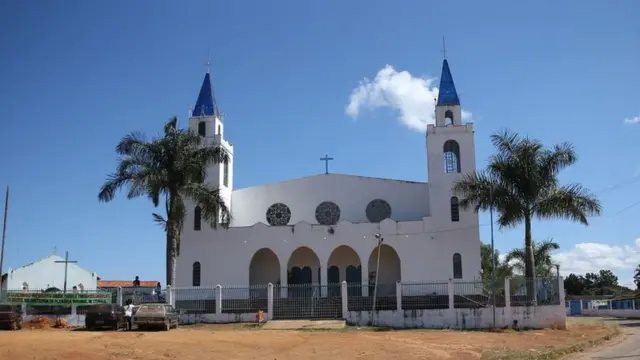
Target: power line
[{"x": 601, "y": 191}]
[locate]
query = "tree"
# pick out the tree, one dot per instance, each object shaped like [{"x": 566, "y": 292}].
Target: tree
[
  {"x": 521, "y": 184},
  {"x": 575, "y": 284},
  {"x": 636, "y": 277},
  {"x": 503, "y": 269},
  {"x": 169, "y": 169},
  {"x": 541, "y": 254}
]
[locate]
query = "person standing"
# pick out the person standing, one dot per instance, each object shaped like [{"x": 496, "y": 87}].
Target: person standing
[{"x": 128, "y": 314}]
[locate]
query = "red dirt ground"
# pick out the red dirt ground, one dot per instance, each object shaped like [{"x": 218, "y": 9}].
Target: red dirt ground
[{"x": 239, "y": 342}]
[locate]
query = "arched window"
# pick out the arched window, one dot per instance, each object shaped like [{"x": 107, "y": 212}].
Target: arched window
[
  {"x": 25, "y": 286},
  {"x": 196, "y": 274},
  {"x": 225, "y": 176},
  {"x": 219, "y": 130},
  {"x": 448, "y": 117},
  {"x": 202, "y": 128},
  {"x": 455, "y": 209},
  {"x": 457, "y": 266},
  {"x": 197, "y": 218},
  {"x": 451, "y": 151}
]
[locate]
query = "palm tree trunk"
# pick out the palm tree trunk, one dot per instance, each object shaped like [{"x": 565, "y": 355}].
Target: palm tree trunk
[
  {"x": 172, "y": 247},
  {"x": 530, "y": 263}
]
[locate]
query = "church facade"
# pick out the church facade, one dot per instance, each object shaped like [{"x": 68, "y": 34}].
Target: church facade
[{"x": 329, "y": 228}]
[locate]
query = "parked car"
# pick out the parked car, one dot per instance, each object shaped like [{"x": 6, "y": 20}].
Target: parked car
[
  {"x": 105, "y": 316},
  {"x": 156, "y": 316},
  {"x": 10, "y": 317}
]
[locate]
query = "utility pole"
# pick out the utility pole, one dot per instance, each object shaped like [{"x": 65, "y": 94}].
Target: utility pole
[{"x": 4, "y": 235}]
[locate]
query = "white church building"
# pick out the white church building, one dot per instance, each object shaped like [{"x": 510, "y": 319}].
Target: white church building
[{"x": 326, "y": 228}]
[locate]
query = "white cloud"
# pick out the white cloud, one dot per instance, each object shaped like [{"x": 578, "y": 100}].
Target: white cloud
[
  {"x": 413, "y": 97},
  {"x": 591, "y": 257},
  {"x": 632, "y": 120}
]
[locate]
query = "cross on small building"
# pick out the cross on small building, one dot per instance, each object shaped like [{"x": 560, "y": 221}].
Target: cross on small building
[
  {"x": 66, "y": 263},
  {"x": 326, "y": 160}
]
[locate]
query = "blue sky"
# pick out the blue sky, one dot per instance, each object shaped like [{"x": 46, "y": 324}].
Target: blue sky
[{"x": 75, "y": 76}]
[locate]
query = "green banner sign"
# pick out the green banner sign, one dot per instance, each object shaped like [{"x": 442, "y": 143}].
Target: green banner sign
[{"x": 59, "y": 298}]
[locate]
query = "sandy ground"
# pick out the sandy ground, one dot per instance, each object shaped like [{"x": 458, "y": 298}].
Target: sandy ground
[{"x": 238, "y": 342}]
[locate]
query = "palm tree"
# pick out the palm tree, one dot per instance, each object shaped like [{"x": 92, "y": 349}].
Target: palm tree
[
  {"x": 169, "y": 169},
  {"x": 541, "y": 255},
  {"x": 521, "y": 183}
]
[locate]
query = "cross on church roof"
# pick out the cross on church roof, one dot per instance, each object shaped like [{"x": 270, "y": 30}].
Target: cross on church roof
[{"x": 326, "y": 160}]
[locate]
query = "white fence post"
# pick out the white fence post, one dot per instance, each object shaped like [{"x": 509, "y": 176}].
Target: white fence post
[
  {"x": 345, "y": 300},
  {"x": 399, "y": 295},
  {"x": 451, "y": 292},
  {"x": 508, "y": 315},
  {"x": 170, "y": 298},
  {"x": 561, "y": 290},
  {"x": 218, "y": 299},
  {"x": 269, "y": 301},
  {"x": 119, "y": 296}
]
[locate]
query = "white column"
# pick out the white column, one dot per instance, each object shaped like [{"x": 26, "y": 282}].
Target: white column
[
  {"x": 345, "y": 300},
  {"x": 323, "y": 281},
  {"x": 399, "y": 295},
  {"x": 218, "y": 299},
  {"x": 119, "y": 296},
  {"x": 284, "y": 279},
  {"x": 364, "y": 268},
  {"x": 269, "y": 301},
  {"x": 450, "y": 290}
]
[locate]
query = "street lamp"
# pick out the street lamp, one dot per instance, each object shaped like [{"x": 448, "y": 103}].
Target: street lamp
[
  {"x": 493, "y": 259},
  {"x": 375, "y": 286}
]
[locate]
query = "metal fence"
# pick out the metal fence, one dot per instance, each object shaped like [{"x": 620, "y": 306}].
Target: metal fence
[{"x": 307, "y": 301}]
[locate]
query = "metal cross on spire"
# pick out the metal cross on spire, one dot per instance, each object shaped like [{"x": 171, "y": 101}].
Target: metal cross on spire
[
  {"x": 66, "y": 263},
  {"x": 326, "y": 160},
  {"x": 444, "y": 49},
  {"x": 208, "y": 63}
]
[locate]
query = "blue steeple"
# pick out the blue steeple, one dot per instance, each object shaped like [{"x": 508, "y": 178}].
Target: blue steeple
[
  {"x": 206, "y": 103},
  {"x": 448, "y": 94}
]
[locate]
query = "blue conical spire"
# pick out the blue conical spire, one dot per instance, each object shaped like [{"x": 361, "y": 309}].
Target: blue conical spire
[
  {"x": 206, "y": 104},
  {"x": 448, "y": 94}
]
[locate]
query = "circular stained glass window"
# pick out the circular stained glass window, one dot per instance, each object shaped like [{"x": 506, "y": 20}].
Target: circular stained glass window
[
  {"x": 378, "y": 210},
  {"x": 328, "y": 213},
  {"x": 278, "y": 214}
]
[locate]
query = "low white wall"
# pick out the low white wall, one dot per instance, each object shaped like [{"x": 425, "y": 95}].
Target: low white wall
[
  {"x": 622, "y": 313},
  {"x": 538, "y": 317},
  {"x": 218, "y": 318}
]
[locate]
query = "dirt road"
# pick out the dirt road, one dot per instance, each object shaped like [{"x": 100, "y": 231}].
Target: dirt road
[
  {"x": 627, "y": 348},
  {"x": 237, "y": 342}
]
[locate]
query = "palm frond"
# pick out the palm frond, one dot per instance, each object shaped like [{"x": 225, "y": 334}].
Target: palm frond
[{"x": 571, "y": 202}]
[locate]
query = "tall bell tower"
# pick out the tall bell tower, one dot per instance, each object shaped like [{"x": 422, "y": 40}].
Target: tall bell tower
[
  {"x": 207, "y": 120},
  {"x": 450, "y": 153}
]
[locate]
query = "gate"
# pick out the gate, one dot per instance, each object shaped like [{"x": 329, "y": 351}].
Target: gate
[{"x": 307, "y": 301}]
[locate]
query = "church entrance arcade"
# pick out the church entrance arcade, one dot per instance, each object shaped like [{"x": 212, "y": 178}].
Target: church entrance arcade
[{"x": 304, "y": 297}]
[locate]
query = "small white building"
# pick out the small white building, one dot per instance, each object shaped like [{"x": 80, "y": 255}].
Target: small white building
[
  {"x": 325, "y": 228},
  {"x": 48, "y": 273}
]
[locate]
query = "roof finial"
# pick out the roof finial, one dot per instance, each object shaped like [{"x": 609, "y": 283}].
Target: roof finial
[
  {"x": 208, "y": 63},
  {"x": 444, "y": 49}
]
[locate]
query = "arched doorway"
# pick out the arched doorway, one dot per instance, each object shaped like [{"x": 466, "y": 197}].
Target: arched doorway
[
  {"x": 389, "y": 272},
  {"x": 349, "y": 269},
  {"x": 264, "y": 268},
  {"x": 303, "y": 269}
]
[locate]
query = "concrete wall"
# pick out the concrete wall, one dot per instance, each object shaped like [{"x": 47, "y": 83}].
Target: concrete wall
[
  {"x": 424, "y": 249},
  {"x": 536, "y": 317}
]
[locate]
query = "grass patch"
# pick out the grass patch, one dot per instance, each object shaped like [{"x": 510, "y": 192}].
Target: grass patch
[{"x": 553, "y": 353}]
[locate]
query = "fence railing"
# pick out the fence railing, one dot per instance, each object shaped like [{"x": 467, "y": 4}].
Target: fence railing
[{"x": 310, "y": 300}]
